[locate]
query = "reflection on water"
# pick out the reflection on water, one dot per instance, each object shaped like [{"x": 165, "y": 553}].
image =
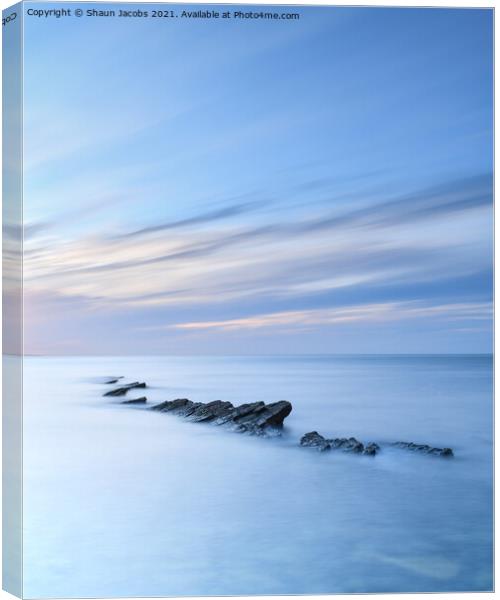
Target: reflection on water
[{"x": 122, "y": 501}]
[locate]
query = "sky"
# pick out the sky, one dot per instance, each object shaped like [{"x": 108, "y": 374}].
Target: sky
[{"x": 321, "y": 185}]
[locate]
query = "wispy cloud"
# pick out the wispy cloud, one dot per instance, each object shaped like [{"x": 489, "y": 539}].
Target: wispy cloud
[
  {"x": 207, "y": 190},
  {"x": 225, "y": 254},
  {"x": 200, "y": 219},
  {"x": 370, "y": 313}
]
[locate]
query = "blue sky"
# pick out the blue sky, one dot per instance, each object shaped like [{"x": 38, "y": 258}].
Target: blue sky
[{"x": 320, "y": 185}]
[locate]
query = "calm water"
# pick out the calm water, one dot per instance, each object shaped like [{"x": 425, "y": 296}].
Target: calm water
[{"x": 123, "y": 501}]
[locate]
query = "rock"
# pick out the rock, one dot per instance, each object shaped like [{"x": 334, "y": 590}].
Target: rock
[
  {"x": 238, "y": 413},
  {"x": 142, "y": 400},
  {"x": 424, "y": 449},
  {"x": 121, "y": 391},
  {"x": 347, "y": 445},
  {"x": 255, "y": 418},
  {"x": 371, "y": 449},
  {"x": 314, "y": 440},
  {"x": 273, "y": 415},
  {"x": 179, "y": 406},
  {"x": 113, "y": 380},
  {"x": 447, "y": 452},
  {"x": 210, "y": 411}
]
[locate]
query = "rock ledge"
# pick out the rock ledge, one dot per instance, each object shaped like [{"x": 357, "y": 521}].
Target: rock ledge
[
  {"x": 424, "y": 449},
  {"x": 121, "y": 391},
  {"x": 256, "y": 418},
  {"x": 314, "y": 440}
]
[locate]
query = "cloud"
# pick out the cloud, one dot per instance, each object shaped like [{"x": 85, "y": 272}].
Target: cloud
[
  {"x": 373, "y": 313},
  {"x": 438, "y": 201},
  {"x": 290, "y": 273},
  {"x": 72, "y": 216},
  {"x": 201, "y": 219}
]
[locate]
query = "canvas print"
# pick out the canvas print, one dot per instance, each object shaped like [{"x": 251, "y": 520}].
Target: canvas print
[{"x": 247, "y": 299}]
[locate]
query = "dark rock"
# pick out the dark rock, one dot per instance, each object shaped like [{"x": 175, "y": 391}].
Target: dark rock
[
  {"x": 347, "y": 445},
  {"x": 371, "y": 449},
  {"x": 424, "y": 449},
  {"x": 273, "y": 415},
  {"x": 259, "y": 416},
  {"x": 447, "y": 452},
  {"x": 256, "y": 417},
  {"x": 314, "y": 440},
  {"x": 179, "y": 406},
  {"x": 142, "y": 400},
  {"x": 113, "y": 380},
  {"x": 210, "y": 411},
  {"x": 121, "y": 391},
  {"x": 240, "y": 413}
]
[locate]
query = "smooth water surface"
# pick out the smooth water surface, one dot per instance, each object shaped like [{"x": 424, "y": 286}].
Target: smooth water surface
[{"x": 123, "y": 501}]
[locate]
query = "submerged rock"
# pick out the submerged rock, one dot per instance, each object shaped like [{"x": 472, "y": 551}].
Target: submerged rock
[
  {"x": 121, "y": 391},
  {"x": 424, "y": 449},
  {"x": 347, "y": 445},
  {"x": 371, "y": 449},
  {"x": 110, "y": 380},
  {"x": 256, "y": 417},
  {"x": 314, "y": 440},
  {"x": 142, "y": 400}
]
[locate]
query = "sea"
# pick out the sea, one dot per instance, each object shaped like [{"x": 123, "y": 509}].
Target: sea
[{"x": 124, "y": 501}]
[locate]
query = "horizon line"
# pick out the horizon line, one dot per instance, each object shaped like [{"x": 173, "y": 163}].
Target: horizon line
[{"x": 222, "y": 355}]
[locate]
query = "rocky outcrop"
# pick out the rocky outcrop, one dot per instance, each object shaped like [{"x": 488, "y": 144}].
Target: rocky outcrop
[
  {"x": 347, "y": 445},
  {"x": 424, "y": 449},
  {"x": 256, "y": 418},
  {"x": 142, "y": 400},
  {"x": 314, "y": 440},
  {"x": 371, "y": 449},
  {"x": 121, "y": 391}
]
